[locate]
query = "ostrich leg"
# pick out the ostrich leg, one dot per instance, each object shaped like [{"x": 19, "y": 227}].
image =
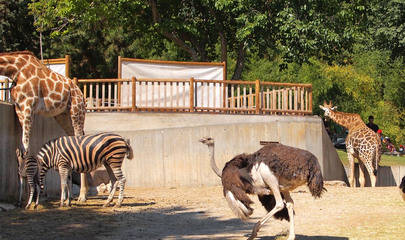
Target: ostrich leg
[
  {"x": 271, "y": 180},
  {"x": 290, "y": 208}
]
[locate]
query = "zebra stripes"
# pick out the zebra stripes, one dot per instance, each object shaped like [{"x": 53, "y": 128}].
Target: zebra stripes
[
  {"x": 27, "y": 169},
  {"x": 84, "y": 154}
]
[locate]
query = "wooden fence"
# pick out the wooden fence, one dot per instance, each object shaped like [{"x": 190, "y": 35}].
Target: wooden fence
[
  {"x": 5, "y": 94},
  {"x": 192, "y": 95}
]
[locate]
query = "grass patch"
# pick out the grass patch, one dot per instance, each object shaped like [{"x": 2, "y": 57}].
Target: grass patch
[{"x": 386, "y": 160}]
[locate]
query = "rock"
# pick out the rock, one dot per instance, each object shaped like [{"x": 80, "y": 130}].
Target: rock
[{"x": 6, "y": 207}]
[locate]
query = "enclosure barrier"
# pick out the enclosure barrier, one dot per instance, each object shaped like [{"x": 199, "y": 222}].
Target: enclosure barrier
[
  {"x": 5, "y": 94},
  {"x": 197, "y": 95}
]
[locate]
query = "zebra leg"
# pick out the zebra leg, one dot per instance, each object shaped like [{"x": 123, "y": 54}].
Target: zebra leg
[
  {"x": 121, "y": 195},
  {"x": 63, "y": 183},
  {"x": 111, "y": 196},
  {"x": 38, "y": 192},
  {"x": 31, "y": 194},
  {"x": 69, "y": 189},
  {"x": 110, "y": 174},
  {"x": 19, "y": 203}
]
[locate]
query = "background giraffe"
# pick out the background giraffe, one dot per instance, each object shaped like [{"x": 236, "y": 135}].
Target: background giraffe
[
  {"x": 38, "y": 90},
  {"x": 361, "y": 143}
]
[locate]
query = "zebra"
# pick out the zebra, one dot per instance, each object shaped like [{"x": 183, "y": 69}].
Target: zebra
[
  {"x": 27, "y": 168},
  {"x": 84, "y": 154}
]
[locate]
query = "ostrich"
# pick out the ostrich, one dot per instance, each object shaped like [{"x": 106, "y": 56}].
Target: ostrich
[
  {"x": 270, "y": 173},
  {"x": 402, "y": 188}
]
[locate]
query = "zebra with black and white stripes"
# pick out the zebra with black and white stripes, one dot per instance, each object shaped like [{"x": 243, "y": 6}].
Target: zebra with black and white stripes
[
  {"x": 27, "y": 169},
  {"x": 84, "y": 154}
]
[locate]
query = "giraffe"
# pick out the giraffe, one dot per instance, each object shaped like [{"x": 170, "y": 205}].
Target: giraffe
[
  {"x": 361, "y": 143},
  {"x": 38, "y": 90}
]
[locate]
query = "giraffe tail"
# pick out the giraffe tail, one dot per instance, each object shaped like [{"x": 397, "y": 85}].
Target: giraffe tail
[{"x": 377, "y": 159}]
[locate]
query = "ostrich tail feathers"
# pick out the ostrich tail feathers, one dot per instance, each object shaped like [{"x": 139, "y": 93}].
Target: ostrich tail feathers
[
  {"x": 315, "y": 180},
  {"x": 240, "y": 208}
]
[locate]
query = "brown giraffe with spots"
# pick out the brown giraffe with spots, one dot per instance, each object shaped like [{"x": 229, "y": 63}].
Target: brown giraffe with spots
[
  {"x": 361, "y": 143},
  {"x": 39, "y": 90}
]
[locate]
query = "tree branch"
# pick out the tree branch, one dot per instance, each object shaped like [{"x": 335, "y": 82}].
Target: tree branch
[{"x": 171, "y": 35}]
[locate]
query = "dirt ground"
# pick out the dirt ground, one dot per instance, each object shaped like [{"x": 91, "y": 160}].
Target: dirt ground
[{"x": 202, "y": 213}]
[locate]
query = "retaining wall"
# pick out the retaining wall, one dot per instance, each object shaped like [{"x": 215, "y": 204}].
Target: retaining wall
[
  {"x": 43, "y": 130},
  {"x": 167, "y": 151}
]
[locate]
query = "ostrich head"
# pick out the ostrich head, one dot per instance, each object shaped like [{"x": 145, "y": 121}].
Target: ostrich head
[
  {"x": 328, "y": 108},
  {"x": 209, "y": 141}
]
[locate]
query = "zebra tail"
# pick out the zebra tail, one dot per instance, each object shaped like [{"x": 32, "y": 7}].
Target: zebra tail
[{"x": 130, "y": 153}]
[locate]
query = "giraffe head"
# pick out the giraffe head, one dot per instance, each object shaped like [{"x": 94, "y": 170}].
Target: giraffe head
[{"x": 328, "y": 108}]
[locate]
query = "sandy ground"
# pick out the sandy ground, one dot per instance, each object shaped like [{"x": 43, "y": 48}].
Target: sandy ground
[{"x": 202, "y": 213}]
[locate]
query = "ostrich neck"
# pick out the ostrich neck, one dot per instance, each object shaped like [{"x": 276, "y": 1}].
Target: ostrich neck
[{"x": 214, "y": 166}]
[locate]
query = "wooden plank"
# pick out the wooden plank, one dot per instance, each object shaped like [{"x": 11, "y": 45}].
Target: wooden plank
[
  {"x": 257, "y": 95},
  {"x": 133, "y": 94},
  {"x": 191, "y": 94}
]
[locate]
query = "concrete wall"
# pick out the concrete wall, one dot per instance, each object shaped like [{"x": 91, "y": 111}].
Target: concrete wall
[
  {"x": 167, "y": 151},
  {"x": 166, "y": 147},
  {"x": 10, "y": 138},
  {"x": 387, "y": 175}
]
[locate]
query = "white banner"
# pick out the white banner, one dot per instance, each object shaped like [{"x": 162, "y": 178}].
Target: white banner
[
  {"x": 163, "y": 95},
  {"x": 59, "y": 68}
]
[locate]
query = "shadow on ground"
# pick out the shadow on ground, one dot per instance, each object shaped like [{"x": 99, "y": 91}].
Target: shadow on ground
[{"x": 129, "y": 222}]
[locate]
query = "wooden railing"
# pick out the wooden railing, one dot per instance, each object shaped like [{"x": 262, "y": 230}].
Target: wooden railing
[
  {"x": 196, "y": 95},
  {"x": 5, "y": 94}
]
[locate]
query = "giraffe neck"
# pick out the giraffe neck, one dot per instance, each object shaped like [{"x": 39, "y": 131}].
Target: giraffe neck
[{"x": 347, "y": 120}]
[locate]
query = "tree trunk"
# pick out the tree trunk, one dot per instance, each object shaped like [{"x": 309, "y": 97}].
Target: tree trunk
[
  {"x": 171, "y": 35},
  {"x": 240, "y": 62}
]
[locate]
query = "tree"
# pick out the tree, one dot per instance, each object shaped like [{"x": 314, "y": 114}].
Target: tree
[{"x": 17, "y": 31}]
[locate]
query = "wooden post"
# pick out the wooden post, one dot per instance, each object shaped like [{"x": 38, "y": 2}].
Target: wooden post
[
  {"x": 133, "y": 94},
  {"x": 310, "y": 99},
  {"x": 257, "y": 93},
  {"x": 119, "y": 93},
  {"x": 192, "y": 94}
]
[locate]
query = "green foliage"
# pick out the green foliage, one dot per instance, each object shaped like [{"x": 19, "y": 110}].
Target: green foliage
[
  {"x": 16, "y": 27},
  {"x": 372, "y": 85}
]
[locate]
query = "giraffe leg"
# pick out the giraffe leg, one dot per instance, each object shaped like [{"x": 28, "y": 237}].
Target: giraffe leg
[
  {"x": 362, "y": 169},
  {"x": 272, "y": 182},
  {"x": 290, "y": 208},
  {"x": 77, "y": 115},
  {"x": 25, "y": 118},
  {"x": 350, "y": 157},
  {"x": 370, "y": 169}
]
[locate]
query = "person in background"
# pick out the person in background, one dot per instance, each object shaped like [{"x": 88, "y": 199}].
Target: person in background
[
  {"x": 371, "y": 124},
  {"x": 379, "y": 133}
]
